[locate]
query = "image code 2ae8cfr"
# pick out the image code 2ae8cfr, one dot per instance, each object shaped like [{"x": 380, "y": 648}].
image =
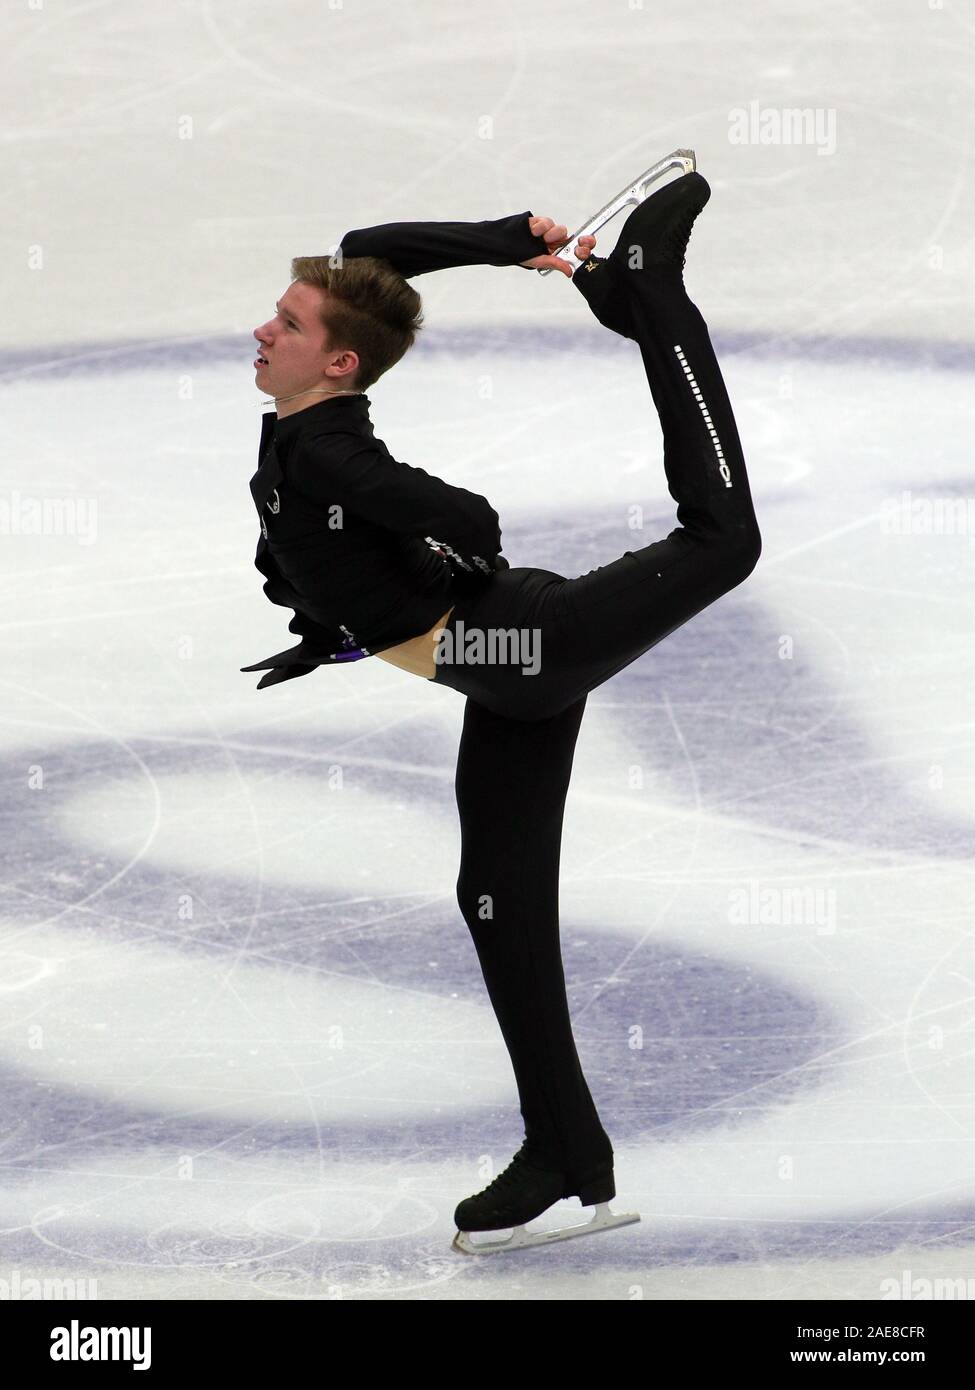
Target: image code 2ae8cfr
[
  {"x": 891, "y": 1331},
  {"x": 828, "y": 1333}
]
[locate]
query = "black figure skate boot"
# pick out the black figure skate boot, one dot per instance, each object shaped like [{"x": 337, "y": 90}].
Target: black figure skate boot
[
  {"x": 652, "y": 244},
  {"x": 522, "y": 1192}
]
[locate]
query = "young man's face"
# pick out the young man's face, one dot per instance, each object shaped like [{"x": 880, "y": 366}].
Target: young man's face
[{"x": 299, "y": 358}]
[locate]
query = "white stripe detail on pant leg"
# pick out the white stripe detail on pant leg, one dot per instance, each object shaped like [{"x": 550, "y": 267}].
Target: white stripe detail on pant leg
[{"x": 698, "y": 395}]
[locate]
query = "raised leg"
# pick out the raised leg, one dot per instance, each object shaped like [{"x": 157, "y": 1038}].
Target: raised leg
[
  {"x": 618, "y": 611},
  {"x": 593, "y": 626}
]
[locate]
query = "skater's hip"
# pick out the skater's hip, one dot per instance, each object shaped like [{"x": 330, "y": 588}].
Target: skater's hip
[
  {"x": 416, "y": 654},
  {"x": 492, "y": 647}
]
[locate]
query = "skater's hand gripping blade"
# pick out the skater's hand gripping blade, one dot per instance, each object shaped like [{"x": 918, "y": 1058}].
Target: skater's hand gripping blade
[
  {"x": 521, "y": 1238},
  {"x": 635, "y": 192}
]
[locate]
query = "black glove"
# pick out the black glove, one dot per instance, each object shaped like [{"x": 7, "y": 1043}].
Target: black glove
[
  {"x": 282, "y": 666},
  {"x": 277, "y": 674}
]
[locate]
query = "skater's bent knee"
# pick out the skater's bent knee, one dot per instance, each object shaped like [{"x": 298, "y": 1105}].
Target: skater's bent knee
[{"x": 743, "y": 553}]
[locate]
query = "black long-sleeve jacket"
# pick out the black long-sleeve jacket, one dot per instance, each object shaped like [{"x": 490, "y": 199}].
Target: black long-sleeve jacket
[{"x": 368, "y": 550}]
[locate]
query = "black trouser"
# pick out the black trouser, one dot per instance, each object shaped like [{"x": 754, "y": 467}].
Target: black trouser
[{"x": 520, "y": 727}]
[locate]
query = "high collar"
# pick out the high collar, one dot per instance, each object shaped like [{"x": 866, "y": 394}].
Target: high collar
[{"x": 330, "y": 411}]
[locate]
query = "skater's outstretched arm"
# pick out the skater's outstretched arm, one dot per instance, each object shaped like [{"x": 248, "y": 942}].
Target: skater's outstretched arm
[{"x": 416, "y": 248}]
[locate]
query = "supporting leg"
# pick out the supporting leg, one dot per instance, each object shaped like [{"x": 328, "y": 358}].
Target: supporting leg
[{"x": 511, "y": 784}]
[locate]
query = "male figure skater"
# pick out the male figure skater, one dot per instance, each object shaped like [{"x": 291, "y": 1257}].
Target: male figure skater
[{"x": 380, "y": 558}]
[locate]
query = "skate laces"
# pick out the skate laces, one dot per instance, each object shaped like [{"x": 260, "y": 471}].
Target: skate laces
[
  {"x": 681, "y": 232},
  {"x": 677, "y": 245},
  {"x": 513, "y": 1173}
]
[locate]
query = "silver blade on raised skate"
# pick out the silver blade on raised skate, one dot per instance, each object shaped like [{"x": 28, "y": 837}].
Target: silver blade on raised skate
[
  {"x": 522, "y": 1239},
  {"x": 634, "y": 193}
]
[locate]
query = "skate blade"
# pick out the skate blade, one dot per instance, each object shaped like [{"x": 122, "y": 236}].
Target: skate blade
[
  {"x": 634, "y": 193},
  {"x": 522, "y": 1239}
]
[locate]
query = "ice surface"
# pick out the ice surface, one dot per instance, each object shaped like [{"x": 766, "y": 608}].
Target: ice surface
[{"x": 245, "y": 1049}]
